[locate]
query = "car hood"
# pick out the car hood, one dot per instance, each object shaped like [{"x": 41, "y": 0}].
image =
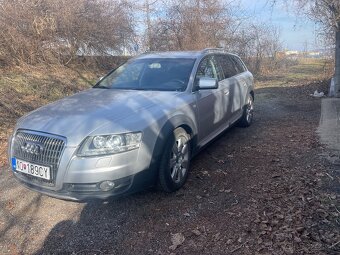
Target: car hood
[{"x": 77, "y": 116}]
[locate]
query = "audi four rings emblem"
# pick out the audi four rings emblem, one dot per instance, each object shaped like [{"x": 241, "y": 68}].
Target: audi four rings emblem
[{"x": 32, "y": 148}]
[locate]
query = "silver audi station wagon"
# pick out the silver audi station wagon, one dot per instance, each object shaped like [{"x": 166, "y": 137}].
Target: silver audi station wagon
[{"x": 139, "y": 126}]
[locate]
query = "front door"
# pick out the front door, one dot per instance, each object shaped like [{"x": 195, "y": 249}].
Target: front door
[{"x": 210, "y": 102}]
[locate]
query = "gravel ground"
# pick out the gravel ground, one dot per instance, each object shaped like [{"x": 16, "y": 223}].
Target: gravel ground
[{"x": 266, "y": 189}]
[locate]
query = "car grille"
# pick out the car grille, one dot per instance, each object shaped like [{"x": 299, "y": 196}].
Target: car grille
[{"x": 49, "y": 156}]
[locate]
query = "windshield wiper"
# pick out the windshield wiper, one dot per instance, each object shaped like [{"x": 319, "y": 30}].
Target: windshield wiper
[{"x": 100, "y": 87}]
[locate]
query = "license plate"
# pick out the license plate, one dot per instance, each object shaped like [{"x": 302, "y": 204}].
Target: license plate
[{"x": 39, "y": 171}]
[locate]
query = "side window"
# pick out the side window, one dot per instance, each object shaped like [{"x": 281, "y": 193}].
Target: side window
[
  {"x": 228, "y": 66},
  {"x": 209, "y": 67},
  {"x": 206, "y": 68},
  {"x": 239, "y": 65},
  {"x": 219, "y": 69}
]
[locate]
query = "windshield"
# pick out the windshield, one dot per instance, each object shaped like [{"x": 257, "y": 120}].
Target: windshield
[{"x": 150, "y": 74}]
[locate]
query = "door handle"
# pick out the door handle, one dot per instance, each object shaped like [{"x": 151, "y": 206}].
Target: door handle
[{"x": 226, "y": 92}]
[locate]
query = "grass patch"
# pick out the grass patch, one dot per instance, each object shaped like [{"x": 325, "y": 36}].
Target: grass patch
[
  {"x": 305, "y": 71},
  {"x": 23, "y": 90}
]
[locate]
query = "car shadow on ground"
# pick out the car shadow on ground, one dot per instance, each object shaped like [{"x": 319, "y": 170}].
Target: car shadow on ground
[{"x": 105, "y": 227}]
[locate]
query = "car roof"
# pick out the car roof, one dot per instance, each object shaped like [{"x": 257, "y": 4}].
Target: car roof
[
  {"x": 171, "y": 54},
  {"x": 181, "y": 54}
]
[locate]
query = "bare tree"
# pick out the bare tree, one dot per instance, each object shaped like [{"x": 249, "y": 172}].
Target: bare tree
[
  {"x": 199, "y": 24},
  {"x": 55, "y": 31},
  {"x": 191, "y": 24},
  {"x": 258, "y": 44}
]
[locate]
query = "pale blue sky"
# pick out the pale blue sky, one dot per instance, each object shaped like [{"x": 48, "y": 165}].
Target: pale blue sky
[{"x": 295, "y": 31}]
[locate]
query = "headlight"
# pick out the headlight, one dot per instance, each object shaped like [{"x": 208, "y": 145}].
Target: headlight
[{"x": 109, "y": 144}]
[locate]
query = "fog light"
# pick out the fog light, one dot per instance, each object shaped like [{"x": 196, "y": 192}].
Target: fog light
[{"x": 106, "y": 185}]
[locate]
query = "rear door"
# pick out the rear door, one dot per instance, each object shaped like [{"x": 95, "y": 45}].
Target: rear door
[
  {"x": 231, "y": 83},
  {"x": 242, "y": 81}
]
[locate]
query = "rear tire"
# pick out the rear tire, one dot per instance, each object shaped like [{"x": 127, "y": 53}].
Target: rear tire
[
  {"x": 175, "y": 161},
  {"x": 248, "y": 113}
]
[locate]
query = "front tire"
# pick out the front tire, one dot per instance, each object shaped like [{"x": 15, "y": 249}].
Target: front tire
[
  {"x": 248, "y": 113},
  {"x": 175, "y": 161}
]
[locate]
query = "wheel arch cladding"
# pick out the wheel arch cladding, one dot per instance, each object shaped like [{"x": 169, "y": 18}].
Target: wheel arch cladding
[
  {"x": 168, "y": 128},
  {"x": 252, "y": 94}
]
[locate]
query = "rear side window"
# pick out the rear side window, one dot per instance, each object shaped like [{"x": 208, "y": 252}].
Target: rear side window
[{"x": 228, "y": 65}]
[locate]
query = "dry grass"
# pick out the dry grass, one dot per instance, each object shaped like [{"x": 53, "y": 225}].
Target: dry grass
[
  {"x": 304, "y": 72},
  {"x": 25, "y": 89}
]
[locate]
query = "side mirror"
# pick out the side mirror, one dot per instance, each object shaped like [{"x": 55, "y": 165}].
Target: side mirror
[{"x": 207, "y": 83}]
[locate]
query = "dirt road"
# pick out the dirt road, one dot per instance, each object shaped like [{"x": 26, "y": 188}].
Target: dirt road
[{"x": 265, "y": 189}]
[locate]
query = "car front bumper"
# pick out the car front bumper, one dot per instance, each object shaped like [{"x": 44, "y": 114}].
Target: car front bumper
[
  {"x": 91, "y": 191},
  {"x": 80, "y": 178}
]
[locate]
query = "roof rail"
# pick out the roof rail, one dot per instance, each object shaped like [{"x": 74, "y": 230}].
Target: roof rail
[
  {"x": 149, "y": 52},
  {"x": 213, "y": 50}
]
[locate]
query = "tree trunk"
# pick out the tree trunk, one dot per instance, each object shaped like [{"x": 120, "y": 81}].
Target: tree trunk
[{"x": 337, "y": 64}]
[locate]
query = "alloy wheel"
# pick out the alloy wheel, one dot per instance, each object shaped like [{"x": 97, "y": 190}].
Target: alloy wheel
[{"x": 179, "y": 160}]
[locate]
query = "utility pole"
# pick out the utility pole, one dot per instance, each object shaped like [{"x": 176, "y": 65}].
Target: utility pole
[
  {"x": 147, "y": 9},
  {"x": 305, "y": 48}
]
